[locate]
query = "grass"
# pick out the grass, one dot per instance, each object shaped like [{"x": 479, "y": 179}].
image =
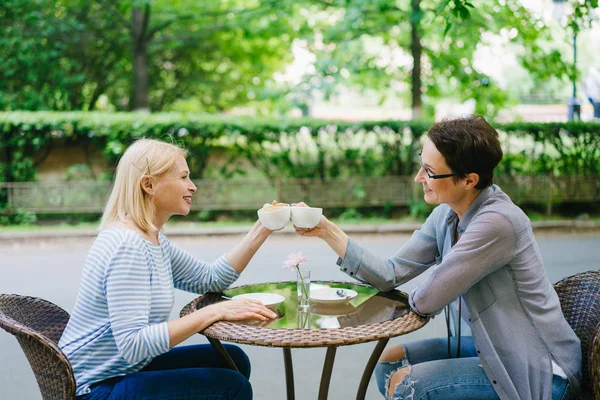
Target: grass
[
  {"x": 84, "y": 226},
  {"x": 245, "y": 222},
  {"x": 87, "y": 226},
  {"x": 536, "y": 216}
]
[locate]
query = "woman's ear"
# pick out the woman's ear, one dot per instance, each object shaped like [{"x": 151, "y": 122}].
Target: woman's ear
[
  {"x": 148, "y": 185},
  {"x": 471, "y": 180}
]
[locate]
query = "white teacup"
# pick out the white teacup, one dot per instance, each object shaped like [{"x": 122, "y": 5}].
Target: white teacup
[
  {"x": 274, "y": 216},
  {"x": 306, "y": 217}
]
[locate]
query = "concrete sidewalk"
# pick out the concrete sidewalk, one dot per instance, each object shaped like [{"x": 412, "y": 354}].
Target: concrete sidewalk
[
  {"x": 52, "y": 271},
  {"x": 562, "y": 226}
]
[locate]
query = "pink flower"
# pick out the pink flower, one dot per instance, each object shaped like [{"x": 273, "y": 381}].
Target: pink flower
[{"x": 294, "y": 260}]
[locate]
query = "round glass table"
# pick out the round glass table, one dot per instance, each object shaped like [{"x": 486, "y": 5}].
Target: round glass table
[{"x": 368, "y": 316}]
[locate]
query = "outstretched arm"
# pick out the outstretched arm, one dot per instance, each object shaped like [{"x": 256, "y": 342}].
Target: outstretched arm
[
  {"x": 416, "y": 256},
  {"x": 242, "y": 253},
  {"x": 196, "y": 276},
  {"x": 332, "y": 234}
]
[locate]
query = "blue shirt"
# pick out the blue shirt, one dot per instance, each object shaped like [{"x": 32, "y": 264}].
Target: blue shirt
[{"x": 125, "y": 297}]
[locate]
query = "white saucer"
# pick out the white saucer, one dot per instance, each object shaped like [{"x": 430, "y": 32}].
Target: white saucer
[
  {"x": 329, "y": 295},
  {"x": 268, "y": 299}
]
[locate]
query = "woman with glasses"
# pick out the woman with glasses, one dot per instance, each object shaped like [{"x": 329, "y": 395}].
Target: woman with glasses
[{"x": 507, "y": 337}]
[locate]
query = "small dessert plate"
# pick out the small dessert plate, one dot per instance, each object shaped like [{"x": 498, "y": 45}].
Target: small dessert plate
[{"x": 332, "y": 295}]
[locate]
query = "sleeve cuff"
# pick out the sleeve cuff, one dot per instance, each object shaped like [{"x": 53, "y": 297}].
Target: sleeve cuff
[
  {"x": 227, "y": 274},
  {"x": 225, "y": 262},
  {"x": 411, "y": 303},
  {"x": 413, "y": 306},
  {"x": 352, "y": 259}
]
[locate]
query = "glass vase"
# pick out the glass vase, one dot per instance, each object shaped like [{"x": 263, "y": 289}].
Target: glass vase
[
  {"x": 303, "y": 317},
  {"x": 303, "y": 286}
]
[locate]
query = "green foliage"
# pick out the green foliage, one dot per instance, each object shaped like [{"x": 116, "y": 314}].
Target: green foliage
[
  {"x": 419, "y": 209},
  {"x": 571, "y": 148},
  {"x": 372, "y": 45},
  {"x": 205, "y": 215},
  {"x": 350, "y": 214},
  {"x": 219, "y": 53},
  {"x": 584, "y": 12},
  {"x": 57, "y": 55},
  {"x": 284, "y": 148},
  {"x": 65, "y": 54},
  {"x": 69, "y": 55},
  {"x": 79, "y": 172},
  {"x": 19, "y": 217},
  {"x": 324, "y": 149}
]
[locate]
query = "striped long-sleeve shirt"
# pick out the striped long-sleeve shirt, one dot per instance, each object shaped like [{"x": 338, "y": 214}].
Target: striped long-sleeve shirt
[{"x": 126, "y": 294}]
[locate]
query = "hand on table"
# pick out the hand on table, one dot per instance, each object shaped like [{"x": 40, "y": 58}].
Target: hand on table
[
  {"x": 266, "y": 322},
  {"x": 243, "y": 309}
]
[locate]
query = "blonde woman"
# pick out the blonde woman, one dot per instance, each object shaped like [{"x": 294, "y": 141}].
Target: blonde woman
[{"x": 119, "y": 340}]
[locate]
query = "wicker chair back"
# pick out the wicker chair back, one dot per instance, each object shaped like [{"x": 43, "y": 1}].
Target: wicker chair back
[
  {"x": 579, "y": 296},
  {"x": 38, "y": 324}
]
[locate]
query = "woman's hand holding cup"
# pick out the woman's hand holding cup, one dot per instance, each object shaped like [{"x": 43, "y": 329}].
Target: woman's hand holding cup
[
  {"x": 274, "y": 216},
  {"x": 306, "y": 222}
]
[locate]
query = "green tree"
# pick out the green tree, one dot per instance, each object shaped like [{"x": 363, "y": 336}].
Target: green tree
[
  {"x": 34, "y": 75},
  {"x": 142, "y": 54},
  {"x": 427, "y": 47},
  {"x": 214, "y": 51},
  {"x": 57, "y": 55}
]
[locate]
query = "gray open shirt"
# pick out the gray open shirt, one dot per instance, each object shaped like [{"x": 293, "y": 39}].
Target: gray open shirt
[{"x": 515, "y": 316}]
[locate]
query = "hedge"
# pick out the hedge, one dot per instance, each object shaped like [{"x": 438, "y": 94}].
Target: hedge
[{"x": 286, "y": 147}]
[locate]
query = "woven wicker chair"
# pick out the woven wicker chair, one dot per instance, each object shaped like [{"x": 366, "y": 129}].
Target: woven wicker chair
[
  {"x": 579, "y": 296},
  {"x": 38, "y": 325}
]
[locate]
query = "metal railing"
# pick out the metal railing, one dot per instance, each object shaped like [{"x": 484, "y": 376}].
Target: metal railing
[{"x": 250, "y": 194}]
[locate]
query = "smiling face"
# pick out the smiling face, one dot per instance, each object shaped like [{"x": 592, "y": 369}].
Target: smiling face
[
  {"x": 173, "y": 193},
  {"x": 445, "y": 190}
]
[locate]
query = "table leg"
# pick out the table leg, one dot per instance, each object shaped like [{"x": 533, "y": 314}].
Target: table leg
[
  {"x": 366, "y": 377},
  {"x": 219, "y": 348},
  {"x": 326, "y": 376},
  {"x": 289, "y": 373}
]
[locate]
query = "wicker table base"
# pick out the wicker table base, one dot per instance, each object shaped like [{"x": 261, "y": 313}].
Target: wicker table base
[
  {"x": 400, "y": 321},
  {"x": 327, "y": 368}
]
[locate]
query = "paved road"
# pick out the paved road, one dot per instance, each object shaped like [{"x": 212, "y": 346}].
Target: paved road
[{"x": 51, "y": 269}]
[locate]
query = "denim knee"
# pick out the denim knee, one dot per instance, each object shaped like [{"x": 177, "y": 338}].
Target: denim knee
[
  {"x": 405, "y": 389},
  {"x": 385, "y": 369}
]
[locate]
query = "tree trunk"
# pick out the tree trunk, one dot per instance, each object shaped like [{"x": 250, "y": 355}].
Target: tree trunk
[
  {"x": 140, "y": 59},
  {"x": 416, "y": 50}
]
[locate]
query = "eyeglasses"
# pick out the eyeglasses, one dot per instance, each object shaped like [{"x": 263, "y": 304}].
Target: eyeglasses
[{"x": 433, "y": 176}]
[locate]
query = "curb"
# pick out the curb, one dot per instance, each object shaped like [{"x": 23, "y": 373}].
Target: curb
[{"x": 569, "y": 226}]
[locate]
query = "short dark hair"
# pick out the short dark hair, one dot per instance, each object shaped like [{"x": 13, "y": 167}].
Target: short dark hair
[{"x": 469, "y": 144}]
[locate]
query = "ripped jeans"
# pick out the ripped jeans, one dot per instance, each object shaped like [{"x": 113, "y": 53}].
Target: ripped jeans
[{"x": 434, "y": 376}]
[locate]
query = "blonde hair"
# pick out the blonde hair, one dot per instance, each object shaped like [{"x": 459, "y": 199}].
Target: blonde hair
[{"x": 145, "y": 157}]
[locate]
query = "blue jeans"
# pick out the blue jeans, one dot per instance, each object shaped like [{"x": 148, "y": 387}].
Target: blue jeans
[
  {"x": 435, "y": 376},
  {"x": 187, "y": 372}
]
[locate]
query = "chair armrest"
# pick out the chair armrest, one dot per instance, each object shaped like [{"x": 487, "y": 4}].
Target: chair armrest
[{"x": 594, "y": 362}]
